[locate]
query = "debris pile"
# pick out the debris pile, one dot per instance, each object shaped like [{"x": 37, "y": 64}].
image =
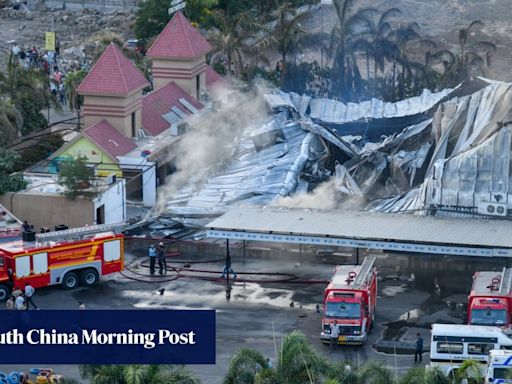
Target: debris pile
[{"x": 445, "y": 153}]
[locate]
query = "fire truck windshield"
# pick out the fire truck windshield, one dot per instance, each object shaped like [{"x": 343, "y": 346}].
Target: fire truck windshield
[
  {"x": 488, "y": 316},
  {"x": 343, "y": 310}
]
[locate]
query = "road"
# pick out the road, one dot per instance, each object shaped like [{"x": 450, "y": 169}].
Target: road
[{"x": 258, "y": 314}]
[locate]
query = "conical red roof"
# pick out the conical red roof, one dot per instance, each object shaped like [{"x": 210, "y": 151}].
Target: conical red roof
[
  {"x": 113, "y": 74},
  {"x": 179, "y": 40}
]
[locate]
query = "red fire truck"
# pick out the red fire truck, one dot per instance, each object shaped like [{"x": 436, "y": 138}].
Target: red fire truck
[
  {"x": 69, "y": 258},
  {"x": 349, "y": 302},
  {"x": 490, "y": 300}
]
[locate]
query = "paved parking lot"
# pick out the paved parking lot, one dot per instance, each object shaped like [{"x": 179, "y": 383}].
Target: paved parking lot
[{"x": 259, "y": 314}]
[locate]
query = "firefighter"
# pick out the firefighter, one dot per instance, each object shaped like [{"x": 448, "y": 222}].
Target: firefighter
[
  {"x": 152, "y": 258},
  {"x": 162, "y": 264}
]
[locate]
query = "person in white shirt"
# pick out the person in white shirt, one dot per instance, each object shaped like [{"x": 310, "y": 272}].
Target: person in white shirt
[
  {"x": 29, "y": 293},
  {"x": 19, "y": 303},
  {"x": 335, "y": 332}
]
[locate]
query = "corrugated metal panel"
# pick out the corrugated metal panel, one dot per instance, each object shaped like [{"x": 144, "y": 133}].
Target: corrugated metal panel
[
  {"x": 189, "y": 106},
  {"x": 363, "y": 225}
]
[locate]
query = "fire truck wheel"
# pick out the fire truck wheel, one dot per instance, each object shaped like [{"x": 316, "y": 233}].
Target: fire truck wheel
[
  {"x": 4, "y": 292},
  {"x": 70, "y": 280},
  {"x": 89, "y": 277}
]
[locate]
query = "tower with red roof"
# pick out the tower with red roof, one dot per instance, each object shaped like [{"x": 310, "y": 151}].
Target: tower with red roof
[
  {"x": 113, "y": 92},
  {"x": 179, "y": 55}
]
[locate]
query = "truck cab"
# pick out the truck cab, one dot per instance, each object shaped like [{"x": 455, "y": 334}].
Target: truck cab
[
  {"x": 348, "y": 310},
  {"x": 489, "y": 311},
  {"x": 499, "y": 367}
]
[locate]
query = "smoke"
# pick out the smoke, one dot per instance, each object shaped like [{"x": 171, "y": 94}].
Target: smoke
[
  {"x": 211, "y": 139},
  {"x": 326, "y": 196}
]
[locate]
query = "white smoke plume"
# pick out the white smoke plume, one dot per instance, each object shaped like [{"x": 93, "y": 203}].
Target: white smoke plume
[
  {"x": 326, "y": 196},
  {"x": 211, "y": 139}
]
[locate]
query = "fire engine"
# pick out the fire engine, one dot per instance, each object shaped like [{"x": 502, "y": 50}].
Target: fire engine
[
  {"x": 68, "y": 258},
  {"x": 490, "y": 300},
  {"x": 349, "y": 302}
]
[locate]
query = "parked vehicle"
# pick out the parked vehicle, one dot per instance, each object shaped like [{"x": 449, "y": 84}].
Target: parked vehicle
[
  {"x": 499, "y": 367},
  {"x": 349, "y": 301},
  {"x": 490, "y": 300},
  {"x": 55, "y": 259},
  {"x": 452, "y": 344}
]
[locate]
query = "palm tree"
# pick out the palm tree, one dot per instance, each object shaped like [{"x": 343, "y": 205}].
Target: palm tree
[
  {"x": 287, "y": 34},
  {"x": 375, "y": 372},
  {"x": 235, "y": 39},
  {"x": 420, "y": 375},
  {"x": 349, "y": 37},
  {"x": 71, "y": 83},
  {"x": 470, "y": 58},
  {"x": 137, "y": 374},
  {"x": 469, "y": 369},
  {"x": 244, "y": 366},
  {"x": 297, "y": 363}
]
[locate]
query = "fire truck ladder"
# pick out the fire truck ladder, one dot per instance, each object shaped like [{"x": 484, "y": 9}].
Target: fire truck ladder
[
  {"x": 365, "y": 270},
  {"x": 79, "y": 233},
  {"x": 506, "y": 281}
]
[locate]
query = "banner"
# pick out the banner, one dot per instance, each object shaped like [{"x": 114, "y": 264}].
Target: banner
[
  {"x": 107, "y": 337},
  {"x": 50, "y": 41}
]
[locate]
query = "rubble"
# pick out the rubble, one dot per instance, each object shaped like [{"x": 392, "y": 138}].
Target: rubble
[{"x": 447, "y": 153}]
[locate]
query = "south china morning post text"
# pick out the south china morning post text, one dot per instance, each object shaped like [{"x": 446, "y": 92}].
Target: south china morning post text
[
  {"x": 93, "y": 337},
  {"x": 108, "y": 337}
]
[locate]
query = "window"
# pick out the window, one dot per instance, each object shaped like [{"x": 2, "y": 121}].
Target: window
[
  {"x": 22, "y": 266},
  {"x": 479, "y": 349},
  {"x": 134, "y": 128},
  {"x": 112, "y": 250},
  {"x": 501, "y": 373},
  {"x": 40, "y": 262},
  {"x": 455, "y": 348},
  {"x": 1, "y": 261},
  {"x": 198, "y": 87}
]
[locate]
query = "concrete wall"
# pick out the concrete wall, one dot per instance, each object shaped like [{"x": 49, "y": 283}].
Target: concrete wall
[
  {"x": 116, "y": 110},
  {"x": 114, "y": 200},
  {"x": 48, "y": 210}
]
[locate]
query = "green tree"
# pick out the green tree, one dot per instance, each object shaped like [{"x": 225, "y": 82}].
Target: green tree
[
  {"x": 11, "y": 122},
  {"x": 75, "y": 176},
  {"x": 233, "y": 41},
  {"x": 420, "y": 375},
  {"x": 153, "y": 15},
  {"x": 28, "y": 91},
  {"x": 298, "y": 364},
  {"x": 137, "y": 374},
  {"x": 288, "y": 33},
  {"x": 9, "y": 181}
]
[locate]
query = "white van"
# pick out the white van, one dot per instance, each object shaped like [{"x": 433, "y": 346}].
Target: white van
[
  {"x": 452, "y": 344},
  {"x": 499, "y": 367}
]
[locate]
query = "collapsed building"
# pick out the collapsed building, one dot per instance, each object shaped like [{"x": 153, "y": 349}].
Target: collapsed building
[{"x": 444, "y": 153}]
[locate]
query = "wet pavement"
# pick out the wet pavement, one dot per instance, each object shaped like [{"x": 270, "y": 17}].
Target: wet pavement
[{"x": 259, "y": 314}]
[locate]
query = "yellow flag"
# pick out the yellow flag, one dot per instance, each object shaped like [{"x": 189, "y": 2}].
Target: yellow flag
[{"x": 50, "y": 41}]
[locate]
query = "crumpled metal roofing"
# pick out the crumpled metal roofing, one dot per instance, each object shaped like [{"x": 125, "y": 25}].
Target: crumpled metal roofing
[
  {"x": 260, "y": 176},
  {"x": 471, "y": 163},
  {"x": 336, "y": 112},
  {"x": 254, "y": 175}
]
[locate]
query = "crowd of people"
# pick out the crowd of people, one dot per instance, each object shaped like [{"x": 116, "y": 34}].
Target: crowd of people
[
  {"x": 46, "y": 61},
  {"x": 21, "y": 299}
]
